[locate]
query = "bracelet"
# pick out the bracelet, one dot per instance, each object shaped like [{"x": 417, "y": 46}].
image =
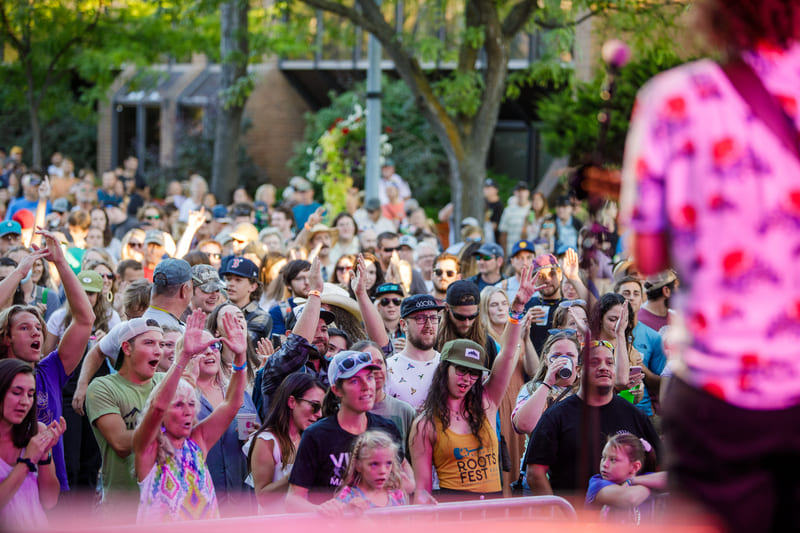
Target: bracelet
[
  {"x": 629, "y": 481},
  {"x": 46, "y": 461},
  {"x": 314, "y": 293},
  {"x": 548, "y": 386},
  {"x": 27, "y": 462},
  {"x": 516, "y": 316},
  {"x": 512, "y": 320},
  {"x": 240, "y": 368}
]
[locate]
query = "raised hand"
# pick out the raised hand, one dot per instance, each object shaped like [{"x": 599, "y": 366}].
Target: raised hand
[
  {"x": 264, "y": 348},
  {"x": 196, "y": 219},
  {"x": 235, "y": 334},
  {"x": 27, "y": 262},
  {"x": 527, "y": 287},
  {"x": 571, "y": 270},
  {"x": 192, "y": 343},
  {"x": 315, "y": 217},
  {"x": 358, "y": 275},
  {"x": 44, "y": 188},
  {"x": 622, "y": 321},
  {"x": 315, "y": 276},
  {"x": 53, "y": 249}
]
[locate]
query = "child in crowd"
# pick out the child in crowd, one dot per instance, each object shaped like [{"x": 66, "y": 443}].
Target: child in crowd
[
  {"x": 622, "y": 492},
  {"x": 373, "y": 476}
]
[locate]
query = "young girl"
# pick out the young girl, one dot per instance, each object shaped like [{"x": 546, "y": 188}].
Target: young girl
[
  {"x": 373, "y": 476},
  {"x": 619, "y": 488},
  {"x": 28, "y": 482}
]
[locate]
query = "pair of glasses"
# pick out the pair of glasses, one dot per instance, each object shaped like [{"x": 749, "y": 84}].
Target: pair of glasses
[
  {"x": 216, "y": 346},
  {"x": 424, "y": 319},
  {"x": 485, "y": 257},
  {"x": 439, "y": 272},
  {"x": 133, "y": 244},
  {"x": 352, "y": 360},
  {"x": 315, "y": 406},
  {"x": 152, "y": 217},
  {"x": 390, "y": 250},
  {"x": 607, "y": 344},
  {"x": 214, "y": 256},
  {"x": 548, "y": 225},
  {"x": 386, "y": 301},
  {"x": 566, "y": 331},
  {"x": 109, "y": 277},
  {"x": 462, "y": 318},
  {"x": 462, "y": 371},
  {"x": 343, "y": 268},
  {"x": 566, "y": 304}
]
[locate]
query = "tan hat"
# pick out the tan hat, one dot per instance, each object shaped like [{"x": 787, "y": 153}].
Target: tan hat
[
  {"x": 322, "y": 228},
  {"x": 245, "y": 232},
  {"x": 338, "y": 297},
  {"x": 662, "y": 279}
]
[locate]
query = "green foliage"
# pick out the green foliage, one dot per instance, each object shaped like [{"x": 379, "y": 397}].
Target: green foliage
[
  {"x": 460, "y": 92},
  {"x": 417, "y": 154},
  {"x": 236, "y": 95},
  {"x": 569, "y": 117}
]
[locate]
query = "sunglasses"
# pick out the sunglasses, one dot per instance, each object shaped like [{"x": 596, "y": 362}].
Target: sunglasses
[
  {"x": 352, "y": 360},
  {"x": 424, "y": 319},
  {"x": 386, "y": 301},
  {"x": 439, "y": 272},
  {"x": 566, "y": 331},
  {"x": 485, "y": 257},
  {"x": 390, "y": 250},
  {"x": 109, "y": 277},
  {"x": 607, "y": 344},
  {"x": 152, "y": 217},
  {"x": 133, "y": 244},
  {"x": 566, "y": 304},
  {"x": 343, "y": 268},
  {"x": 462, "y": 371},
  {"x": 215, "y": 256},
  {"x": 462, "y": 318},
  {"x": 315, "y": 406},
  {"x": 217, "y": 346}
]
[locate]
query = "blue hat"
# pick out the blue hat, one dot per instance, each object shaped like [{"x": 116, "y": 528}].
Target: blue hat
[
  {"x": 239, "y": 266},
  {"x": 388, "y": 288},
  {"x": 489, "y": 248},
  {"x": 171, "y": 271},
  {"x": 522, "y": 246},
  {"x": 219, "y": 211},
  {"x": 419, "y": 302},
  {"x": 347, "y": 364},
  {"x": 8, "y": 227}
]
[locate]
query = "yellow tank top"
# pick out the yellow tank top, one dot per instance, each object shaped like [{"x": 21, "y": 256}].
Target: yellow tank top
[{"x": 463, "y": 464}]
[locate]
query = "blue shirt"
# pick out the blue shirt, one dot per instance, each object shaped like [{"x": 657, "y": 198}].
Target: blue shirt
[
  {"x": 302, "y": 212},
  {"x": 649, "y": 344},
  {"x": 18, "y": 204}
]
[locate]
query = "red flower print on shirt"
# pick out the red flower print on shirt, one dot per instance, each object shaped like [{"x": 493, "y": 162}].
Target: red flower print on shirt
[
  {"x": 697, "y": 323},
  {"x": 726, "y": 152},
  {"x": 793, "y": 201},
  {"x": 675, "y": 109},
  {"x": 714, "y": 389},
  {"x": 735, "y": 263},
  {"x": 789, "y": 104},
  {"x": 685, "y": 218},
  {"x": 642, "y": 170}
]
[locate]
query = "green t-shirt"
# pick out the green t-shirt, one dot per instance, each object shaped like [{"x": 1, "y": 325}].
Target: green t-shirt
[{"x": 116, "y": 395}]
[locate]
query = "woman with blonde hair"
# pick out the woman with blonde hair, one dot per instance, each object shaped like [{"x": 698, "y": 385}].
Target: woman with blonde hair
[{"x": 132, "y": 245}]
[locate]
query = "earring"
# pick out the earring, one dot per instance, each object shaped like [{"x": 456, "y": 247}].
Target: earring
[{"x": 110, "y": 297}]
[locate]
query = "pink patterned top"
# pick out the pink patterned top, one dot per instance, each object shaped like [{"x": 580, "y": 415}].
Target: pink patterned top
[{"x": 700, "y": 168}]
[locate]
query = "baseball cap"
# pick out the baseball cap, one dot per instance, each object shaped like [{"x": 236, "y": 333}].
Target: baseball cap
[
  {"x": 373, "y": 204},
  {"x": 349, "y": 363},
  {"x": 60, "y": 205},
  {"x": 206, "y": 278},
  {"x": 24, "y": 217},
  {"x": 302, "y": 185},
  {"x": 563, "y": 200},
  {"x": 464, "y": 352},
  {"x": 242, "y": 210},
  {"x": 135, "y": 327},
  {"x": 470, "y": 221},
  {"x": 521, "y": 246},
  {"x": 662, "y": 279},
  {"x": 239, "y": 266},
  {"x": 489, "y": 248},
  {"x": 388, "y": 288},
  {"x": 90, "y": 281},
  {"x": 172, "y": 271},
  {"x": 15, "y": 150},
  {"x": 545, "y": 261},
  {"x": 463, "y": 292},
  {"x": 7, "y": 227},
  {"x": 521, "y": 185},
  {"x": 408, "y": 240},
  {"x": 154, "y": 236},
  {"x": 294, "y": 316},
  {"x": 245, "y": 232},
  {"x": 419, "y": 302},
  {"x": 219, "y": 211},
  {"x": 490, "y": 183}
]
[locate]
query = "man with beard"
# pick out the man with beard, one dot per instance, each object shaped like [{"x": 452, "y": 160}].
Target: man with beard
[
  {"x": 306, "y": 343},
  {"x": 461, "y": 319},
  {"x": 659, "y": 289},
  {"x": 548, "y": 283},
  {"x": 446, "y": 270},
  {"x": 321, "y": 235},
  {"x": 409, "y": 373},
  {"x": 558, "y": 446}
]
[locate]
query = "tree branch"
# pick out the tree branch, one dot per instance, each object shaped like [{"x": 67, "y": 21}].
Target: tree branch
[
  {"x": 14, "y": 39},
  {"x": 467, "y": 55},
  {"x": 605, "y": 9},
  {"x": 518, "y": 17},
  {"x": 343, "y": 11}
]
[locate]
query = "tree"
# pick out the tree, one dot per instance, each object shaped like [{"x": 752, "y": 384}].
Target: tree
[{"x": 462, "y": 106}]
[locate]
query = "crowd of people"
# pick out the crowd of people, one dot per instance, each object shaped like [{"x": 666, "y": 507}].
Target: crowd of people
[{"x": 194, "y": 360}]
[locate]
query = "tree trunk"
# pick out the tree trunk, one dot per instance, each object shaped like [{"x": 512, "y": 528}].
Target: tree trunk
[
  {"x": 36, "y": 128},
  {"x": 234, "y": 52}
]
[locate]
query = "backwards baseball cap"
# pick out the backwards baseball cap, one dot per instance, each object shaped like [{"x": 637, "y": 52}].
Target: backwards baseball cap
[
  {"x": 294, "y": 316},
  {"x": 154, "y": 236},
  {"x": 408, "y": 240},
  {"x": 545, "y": 261},
  {"x": 136, "y": 326},
  {"x": 206, "y": 278},
  {"x": 373, "y": 204},
  {"x": 464, "y": 352},
  {"x": 662, "y": 279},
  {"x": 348, "y": 363},
  {"x": 521, "y": 246},
  {"x": 470, "y": 221},
  {"x": 8, "y": 227},
  {"x": 60, "y": 205},
  {"x": 419, "y": 302},
  {"x": 245, "y": 232},
  {"x": 463, "y": 292},
  {"x": 172, "y": 271},
  {"x": 90, "y": 281},
  {"x": 239, "y": 266},
  {"x": 388, "y": 288},
  {"x": 489, "y": 248}
]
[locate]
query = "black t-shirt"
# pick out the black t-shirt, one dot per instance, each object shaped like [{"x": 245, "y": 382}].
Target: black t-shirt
[
  {"x": 556, "y": 440},
  {"x": 495, "y": 213},
  {"x": 324, "y": 452},
  {"x": 539, "y": 333}
]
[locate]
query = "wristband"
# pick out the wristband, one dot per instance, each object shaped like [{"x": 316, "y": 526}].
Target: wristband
[
  {"x": 512, "y": 320},
  {"x": 629, "y": 481},
  {"x": 516, "y": 316},
  {"x": 46, "y": 461},
  {"x": 314, "y": 293},
  {"x": 239, "y": 368},
  {"x": 548, "y": 386},
  {"x": 27, "y": 462}
]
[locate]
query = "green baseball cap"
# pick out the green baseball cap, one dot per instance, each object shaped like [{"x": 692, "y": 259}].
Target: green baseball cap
[{"x": 466, "y": 353}]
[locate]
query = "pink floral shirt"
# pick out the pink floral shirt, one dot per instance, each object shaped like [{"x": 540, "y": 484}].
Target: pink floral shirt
[{"x": 702, "y": 170}]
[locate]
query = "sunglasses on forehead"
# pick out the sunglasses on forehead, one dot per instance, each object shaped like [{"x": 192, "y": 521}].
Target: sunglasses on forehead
[
  {"x": 606, "y": 344},
  {"x": 566, "y": 304}
]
